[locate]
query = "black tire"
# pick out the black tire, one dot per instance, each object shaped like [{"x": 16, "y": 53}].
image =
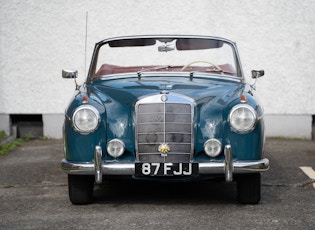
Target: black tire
[
  {"x": 248, "y": 188},
  {"x": 80, "y": 189}
]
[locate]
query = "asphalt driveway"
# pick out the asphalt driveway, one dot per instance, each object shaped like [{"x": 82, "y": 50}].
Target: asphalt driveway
[{"x": 33, "y": 195}]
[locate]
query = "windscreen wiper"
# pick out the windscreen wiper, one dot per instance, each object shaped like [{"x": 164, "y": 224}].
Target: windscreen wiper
[
  {"x": 155, "y": 68},
  {"x": 220, "y": 71}
]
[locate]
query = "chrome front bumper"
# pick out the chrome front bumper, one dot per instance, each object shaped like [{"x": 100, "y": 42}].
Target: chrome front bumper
[{"x": 228, "y": 167}]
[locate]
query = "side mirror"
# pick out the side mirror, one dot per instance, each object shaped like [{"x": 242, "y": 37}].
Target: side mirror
[
  {"x": 257, "y": 73},
  {"x": 69, "y": 73}
]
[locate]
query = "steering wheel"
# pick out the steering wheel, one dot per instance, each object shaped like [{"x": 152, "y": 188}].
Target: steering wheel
[{"x": 193, "y": 62}]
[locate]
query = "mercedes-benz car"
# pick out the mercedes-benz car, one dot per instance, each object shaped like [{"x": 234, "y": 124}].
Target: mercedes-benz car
[{"x": 164, "y": 108}]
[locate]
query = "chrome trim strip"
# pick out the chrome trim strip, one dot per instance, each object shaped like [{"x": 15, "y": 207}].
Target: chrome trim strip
[
  {"x": 168, "y": 74},
  {"x": 238, "y": 166},
  {"x": 161, "y": 36},
  {"x": 77, "y": 168},
  {"x": 88, "y": 168},
  {"x": 114, "y": 168}
]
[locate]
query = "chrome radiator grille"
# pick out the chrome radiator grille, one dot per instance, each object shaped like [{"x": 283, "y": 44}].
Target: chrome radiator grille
[{"x": 164, "y": 122}]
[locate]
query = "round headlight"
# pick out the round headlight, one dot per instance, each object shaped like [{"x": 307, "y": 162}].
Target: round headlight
[
  {"x": 86, "y": 119},
  {"x": 115, "y": 148},
  {"x": 212, "y": 147},
  {"x": 242, "y": 118}
]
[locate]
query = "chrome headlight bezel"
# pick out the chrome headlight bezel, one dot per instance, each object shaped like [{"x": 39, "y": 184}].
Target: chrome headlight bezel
[
  {"x": 248, "y": 123},
  {"x": 95, "y": 121}
]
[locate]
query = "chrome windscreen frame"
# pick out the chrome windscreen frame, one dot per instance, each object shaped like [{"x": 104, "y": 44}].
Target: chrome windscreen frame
[{"x": 92, "y": 68}]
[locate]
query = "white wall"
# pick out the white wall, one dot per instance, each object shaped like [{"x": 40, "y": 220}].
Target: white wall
[{"x": 39, "y": 38}]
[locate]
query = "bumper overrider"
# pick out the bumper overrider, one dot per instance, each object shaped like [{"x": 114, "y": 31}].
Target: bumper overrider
[{"x": 228, "y": 167}]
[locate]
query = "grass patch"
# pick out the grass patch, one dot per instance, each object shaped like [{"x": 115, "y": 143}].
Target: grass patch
[
  {"x": 5, "y": 149},
  {"x": 2, "y": 135},
  {"x": 27, "y": 138},
  {"x": 43, "y": 138}
]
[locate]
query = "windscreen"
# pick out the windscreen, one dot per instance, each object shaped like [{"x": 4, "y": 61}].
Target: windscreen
[{"x": 140, "y": 55}]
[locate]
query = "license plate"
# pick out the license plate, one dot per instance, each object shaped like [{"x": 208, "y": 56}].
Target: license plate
[{"x": 166, "y": 169}]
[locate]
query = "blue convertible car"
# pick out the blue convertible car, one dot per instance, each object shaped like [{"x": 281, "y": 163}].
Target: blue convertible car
[{"x": 164, "y": 108}]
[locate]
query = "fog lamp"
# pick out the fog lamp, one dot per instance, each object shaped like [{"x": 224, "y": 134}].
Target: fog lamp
[
  {"x": 115, "y": 148},
  {"x": 212, "y": 147}
]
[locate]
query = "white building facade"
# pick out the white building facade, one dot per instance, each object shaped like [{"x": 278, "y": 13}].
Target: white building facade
[{"x": 40, "y": 38}]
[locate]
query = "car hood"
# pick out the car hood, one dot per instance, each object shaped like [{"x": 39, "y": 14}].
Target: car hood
[
  {"x": 209, "y": 96},
  {"x": 129, "y": 91}
]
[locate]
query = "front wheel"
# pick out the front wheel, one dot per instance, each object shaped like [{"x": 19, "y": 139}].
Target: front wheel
[
  {"x": 80, "y": 189},
  {"x": 248, "y": 188}
]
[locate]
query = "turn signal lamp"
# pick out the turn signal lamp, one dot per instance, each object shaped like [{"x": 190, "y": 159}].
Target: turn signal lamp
[
  {"x": 85, "y": 99},
  {"x": 243, "y": 98}
]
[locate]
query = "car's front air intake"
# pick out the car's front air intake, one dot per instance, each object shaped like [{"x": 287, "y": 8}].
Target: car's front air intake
[{"x": 164, "y": 130}]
